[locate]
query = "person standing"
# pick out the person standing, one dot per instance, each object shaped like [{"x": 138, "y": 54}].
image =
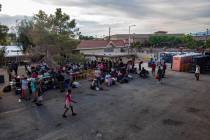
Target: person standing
[
  {"x": 159, "y": 74},
  {"x": 16, "y": 68},
  {"x": 9, "y": 73},
  {"x": 68, "y": 104},
  {"x": 33, "y": 89},
  {"x": 61, "y": 81},
  {"x": 197, "y": 72},
  {"x": 39, "y": 93},
  {"x": 140, "y": 63},
  {"x": 98, "y": 77},
  {"x": 153, "y": 68},
  {"x": 164, "y": 69},
  {"x": 24, "y": 86}
]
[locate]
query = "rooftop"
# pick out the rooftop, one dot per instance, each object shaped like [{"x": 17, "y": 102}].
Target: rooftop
[{"x": 93, "y": 44}]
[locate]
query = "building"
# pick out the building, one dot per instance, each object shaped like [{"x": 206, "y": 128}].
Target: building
[
  {"x": 142, "y": 38},
  {"x": 88, "y": 47},
  {"x": 201, "y": 36}
]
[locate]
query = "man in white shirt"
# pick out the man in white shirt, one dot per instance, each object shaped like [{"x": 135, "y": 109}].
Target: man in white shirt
[{"x": 197, "y": 72}]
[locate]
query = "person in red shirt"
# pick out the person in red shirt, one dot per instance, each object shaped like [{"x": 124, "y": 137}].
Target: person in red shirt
[
  {"x": 34, "y": 75},
  {"x": 68, "y": 104},
  {"x": 164, "y": 69},
  {"x": 153, "y": 69}
]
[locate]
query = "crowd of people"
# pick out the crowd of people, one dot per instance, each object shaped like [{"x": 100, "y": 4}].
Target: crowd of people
[
  {"x": 40, "y": 77},
  {"x": 110, "y": 72}
]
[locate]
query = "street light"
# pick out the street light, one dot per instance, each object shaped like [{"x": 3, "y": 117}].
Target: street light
[{"x": 129, "y": 41}]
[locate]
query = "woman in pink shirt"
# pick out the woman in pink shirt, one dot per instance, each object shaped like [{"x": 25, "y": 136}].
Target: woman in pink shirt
[{"x": 68, "y": 104}]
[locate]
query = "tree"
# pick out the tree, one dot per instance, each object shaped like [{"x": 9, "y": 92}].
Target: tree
[
  {"x": 24, "y": 27},
  {"x": 189, "y": 41},
  {"x": 50, "y": 34},
  {"x": 82, "y": 37},
  {"x": 136, "y": 45},
  {"x": 2, "y": 53},
  {"x": 3, "y": 35},
  {"x": 207, "y": 45},
  {"x": 164, "y": 40}
]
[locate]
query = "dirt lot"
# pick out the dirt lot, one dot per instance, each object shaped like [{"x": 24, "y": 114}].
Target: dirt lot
[{"x": 177, "y": 109}]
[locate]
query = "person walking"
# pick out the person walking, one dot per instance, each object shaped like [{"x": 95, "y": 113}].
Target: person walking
[
  {"x": 159, "y": 74},
  {"x": 61, "y": 81},
  {"x": 197, "y": 72},
  {"x": 40, "y": 93},
  {"x": 68, "y": 104}
]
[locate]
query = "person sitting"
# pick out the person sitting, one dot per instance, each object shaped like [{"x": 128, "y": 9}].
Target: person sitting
[
  {"x": 98, "y": 76},
  {"x": 94, "y": 85},
  {"x": 143, "y": 73},
  {"x": 125, "y": 78},
  {"x": 108, "y": 80},
  {"x": 119, "y": 76},
  {"x": 114, "y": 73}
]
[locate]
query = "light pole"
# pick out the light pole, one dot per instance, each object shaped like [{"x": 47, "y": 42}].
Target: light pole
[{"x": 129, "y": 39}]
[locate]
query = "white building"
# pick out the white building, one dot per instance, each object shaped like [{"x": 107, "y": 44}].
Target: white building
[{"x": 88, "y": 47}]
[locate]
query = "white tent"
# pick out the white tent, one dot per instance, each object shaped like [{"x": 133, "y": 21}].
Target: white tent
[{"x": 12, "y": 51}]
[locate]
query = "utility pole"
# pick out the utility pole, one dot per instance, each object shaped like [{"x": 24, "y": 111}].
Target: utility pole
[
  {"x": 129, "y": 37},
  {"x": 0, "y": 7}
]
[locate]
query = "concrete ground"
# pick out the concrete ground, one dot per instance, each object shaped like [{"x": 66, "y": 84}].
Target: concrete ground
[{"x": 177, "y": 109}]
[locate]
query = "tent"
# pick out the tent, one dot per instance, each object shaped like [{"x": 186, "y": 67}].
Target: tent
[{"x": 12, "y": 51}]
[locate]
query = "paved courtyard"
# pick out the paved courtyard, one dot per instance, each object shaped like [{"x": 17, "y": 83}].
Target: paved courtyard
[{"x": 177, "y": 109}]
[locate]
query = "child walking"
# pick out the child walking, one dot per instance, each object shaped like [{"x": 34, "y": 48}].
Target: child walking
[{"x": 68, "y": 104}]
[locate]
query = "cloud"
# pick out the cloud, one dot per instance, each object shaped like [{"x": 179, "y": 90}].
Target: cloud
[
  {"x": 11, "y": 20},
  {"x": 140, "y": 8},
  {"x": 95, "y": 16}
]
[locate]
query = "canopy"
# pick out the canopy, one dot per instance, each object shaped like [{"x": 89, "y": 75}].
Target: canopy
[
  {"x": 110, "y": 55},
  {"x": 12, "y": 51}
]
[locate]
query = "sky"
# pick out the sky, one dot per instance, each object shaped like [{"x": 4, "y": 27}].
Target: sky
[{"x": 94, "y": 17}]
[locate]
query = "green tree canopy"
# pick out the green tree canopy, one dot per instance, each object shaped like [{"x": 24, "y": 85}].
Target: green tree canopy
[
  {"x": 189, "y": 41},
  {"x": 207, "y": 43},
  {"x": 49, "y": 33},
  {"x": 24, "y": 27},
  {"x": 3, "y": 34},
  {"x": 82, "y": 37},
  {"x": 164, "y": 40}
]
